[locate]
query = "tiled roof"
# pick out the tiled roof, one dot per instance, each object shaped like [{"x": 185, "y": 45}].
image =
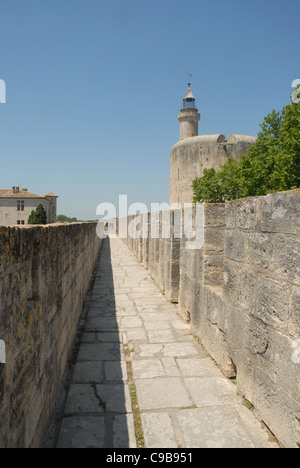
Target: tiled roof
[{"x": 21, "y": 194}]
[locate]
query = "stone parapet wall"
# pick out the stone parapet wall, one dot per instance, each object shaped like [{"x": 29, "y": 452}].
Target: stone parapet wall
[
  {"x": 45, "y": 272},
  {"x": 261, "y": 292},
  {"x": 240, "y": 290}
]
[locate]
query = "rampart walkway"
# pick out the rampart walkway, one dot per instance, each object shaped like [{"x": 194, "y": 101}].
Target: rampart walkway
[{"x": 139, "y": 372}]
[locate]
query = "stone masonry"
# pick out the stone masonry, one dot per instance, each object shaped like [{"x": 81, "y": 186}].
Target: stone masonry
[
  {"x": 239, "y": 290},
  {"x": 45, "y": 273},
  {"x": 191, "y": 156},
  {"x": 133, "y": 337}
]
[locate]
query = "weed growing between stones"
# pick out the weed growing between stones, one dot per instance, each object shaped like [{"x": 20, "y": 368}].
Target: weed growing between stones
[{"x": 138, "y": 428}]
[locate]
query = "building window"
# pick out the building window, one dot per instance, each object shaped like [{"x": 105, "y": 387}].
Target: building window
[
  {"x": 20, "y": 222},
  {"x": 20, "y": 205}
]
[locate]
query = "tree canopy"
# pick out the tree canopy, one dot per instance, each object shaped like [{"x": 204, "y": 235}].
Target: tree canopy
[
  {"x": 38, "y": 216},
  {"x": 65, "y": 219},
  {"x": 271, "y": 165}
]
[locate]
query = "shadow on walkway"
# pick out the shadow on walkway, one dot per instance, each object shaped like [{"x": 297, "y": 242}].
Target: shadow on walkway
[
  {"x": 183, "y": 399},
  {"x": 97, "y": 409}
]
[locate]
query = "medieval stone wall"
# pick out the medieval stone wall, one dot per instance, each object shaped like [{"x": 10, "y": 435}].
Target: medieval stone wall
[
  {"x": 240, "y": 289},
  {"x": 45, "y": 273}
]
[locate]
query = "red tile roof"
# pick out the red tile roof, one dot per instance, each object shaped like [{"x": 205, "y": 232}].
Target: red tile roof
[{"x": 22, "y": 194}]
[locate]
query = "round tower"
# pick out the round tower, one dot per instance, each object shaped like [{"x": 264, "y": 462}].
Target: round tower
[{"x": 189, "y": 116}]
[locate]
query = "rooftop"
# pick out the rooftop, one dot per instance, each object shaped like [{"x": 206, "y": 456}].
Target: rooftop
[
  {"x": 189, "y": 94},
  {"x": 16, "y": 192}
]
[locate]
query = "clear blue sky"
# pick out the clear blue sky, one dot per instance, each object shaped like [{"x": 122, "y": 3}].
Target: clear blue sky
[{"x": 94, "y": 88}]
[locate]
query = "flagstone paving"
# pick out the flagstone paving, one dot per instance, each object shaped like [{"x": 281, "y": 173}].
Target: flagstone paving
[{"x": 184, "y": 400}]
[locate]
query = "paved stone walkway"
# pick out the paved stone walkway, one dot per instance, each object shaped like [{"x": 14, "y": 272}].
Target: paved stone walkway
[{"x": 133, "y": 336}]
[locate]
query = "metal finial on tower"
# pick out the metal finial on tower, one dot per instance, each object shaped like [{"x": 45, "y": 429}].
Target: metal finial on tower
[{"x": 190, "y": 75}]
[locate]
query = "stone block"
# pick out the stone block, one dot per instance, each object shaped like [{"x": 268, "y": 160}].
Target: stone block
[
  {"x": 259, "y": 339},
  {"x": 123, "y": 431},
  {"x": 214, "y": 239},
  {"x": 272, "y": 305},
  {"x": 288, "y": 258},
  {"x": 261, "y": 250},
  {"x": 240, "y": 285},
  {"x": 172, "y": 291},
  {"x": 186, "y": 262},
  {"x": 114, "y": 371},
  {"x": 158, "y": 430},
  {"x": 115, "y": 398},
  {"x": 230, "y": 213},
  {"x": 280, "y": 212},
  {"x": 211, "y": 391},
  {"x": 216, "y": 307},
  {"x": 236, "y": 325},
  {"x": 99, "y": 352},
  {"x": 213, "y": 340},
  {"x": 198, "y": 367},
  {"x": 73, "y": 428},
  {"x": 82, "y": 399},
  {"x": 180, "y": 349},
  {"x": 161, "y": 336},
  {"x": 199, "y": 305},
  {"x": 286, "y": 367},
  {"x": 231, "y": 277},
  {"x": 236, "y": 246},
  {"x": 86, "y": 372},
  {"x": 162, "y": 392},
  {"x": 214, "y": 269},
  {"x": 147, "y": 369},
  {"x": 247, "y": 214},
  {"x": 245, "y": 373},
  {"x": 214, "y": 214},
  {"x": 246, "y": 289},
  {"x": 185, "y": 291},
  {"x": 277, "y": 409},
  {"x": 201, "y": 427},
  {"x": 294, "y": 317}
]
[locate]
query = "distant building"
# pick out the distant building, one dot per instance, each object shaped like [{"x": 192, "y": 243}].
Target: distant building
[{"x": 16, "y": 206}]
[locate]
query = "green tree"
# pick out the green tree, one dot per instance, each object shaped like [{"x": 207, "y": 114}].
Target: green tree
[
  {"x": 65, "y": 219},
  {"x": 62, "y": 219},
  {"x": 38, "y": 216},
  {"x": 31, "y": 219},
  {"x": 271, "y": 165}
]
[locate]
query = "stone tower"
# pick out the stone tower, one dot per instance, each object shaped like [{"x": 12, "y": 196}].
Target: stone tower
[
  {"x": 193, "y": 154},
  {"x": 189, "y": 116}
]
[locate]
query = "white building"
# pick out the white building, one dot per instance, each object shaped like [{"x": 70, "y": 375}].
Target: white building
[{"x": 16, "y": 206}]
